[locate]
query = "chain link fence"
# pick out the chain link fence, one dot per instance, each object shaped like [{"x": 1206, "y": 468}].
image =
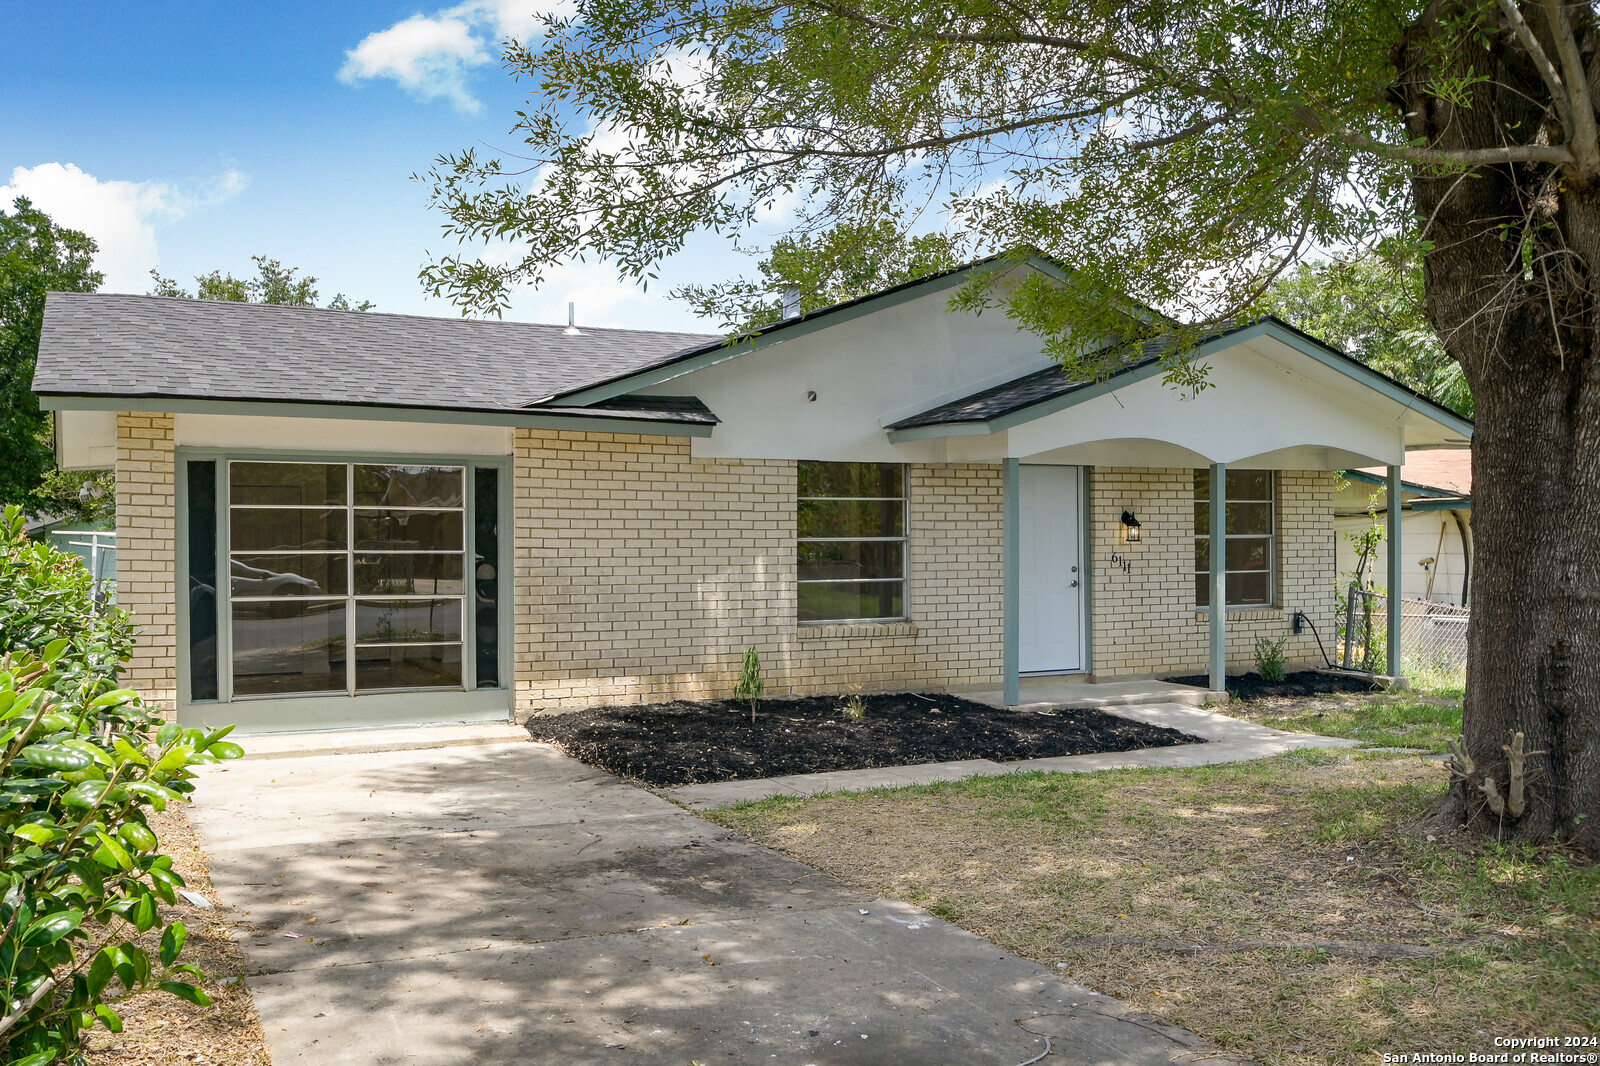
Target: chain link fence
[{"x": 1433, "y": 636}]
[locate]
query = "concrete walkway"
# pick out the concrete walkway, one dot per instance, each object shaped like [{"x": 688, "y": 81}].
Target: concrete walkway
[
  {"x": 1230, "y": 740},
  {"x": 500, "y": 903}
]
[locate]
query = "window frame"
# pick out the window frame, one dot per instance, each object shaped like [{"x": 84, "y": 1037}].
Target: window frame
[
  {"x": 1271, "y": 537},
  {"x": 351, "y": 599},
  {"x": 904, "y": 540}
]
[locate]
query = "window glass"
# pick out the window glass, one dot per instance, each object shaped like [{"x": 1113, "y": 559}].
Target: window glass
[
  {"x": 851, "y": 528},
  {"x": 409, "y": 486},
  {"x": 485, "y": 578},
  {"x": 288, "y": 647},
  {"x": 409, "y": 530},
  {"x": 408, "y": 621},
  {"x": 410, "y": 574},
  {"x": 256, "y": 529},
  {"x": 1250, "y": 531},
  {"x": 406, "y": 666},
  {"x": 325, "y": 556},
  {"x": 203, "y": 629},
  {"x": 322, "y": 574},
  {"x": 287, "y": 484}
]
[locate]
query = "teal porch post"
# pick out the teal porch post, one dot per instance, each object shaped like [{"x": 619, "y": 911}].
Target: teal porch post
[
  {"x": 1219, "y": 577},
  {"x": 1396, "y": 499},
  {"x": 1011, "y": 565}
]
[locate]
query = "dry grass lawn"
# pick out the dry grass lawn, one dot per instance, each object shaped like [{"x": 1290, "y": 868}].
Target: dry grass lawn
[
  {"x": 161, "y": 1030},
  {"x": 1117, "y": 877}
]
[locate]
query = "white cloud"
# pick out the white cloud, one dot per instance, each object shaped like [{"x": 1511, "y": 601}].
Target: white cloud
[
  {"x": 429, "y": 55},
  {"x": 120, "y": 215}
]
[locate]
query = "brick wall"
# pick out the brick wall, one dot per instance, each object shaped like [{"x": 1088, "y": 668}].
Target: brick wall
[
  {"x": 1145, "y": 622},
  {"x": 146, "y": 552},
  {"x": 643, "y": 573}
]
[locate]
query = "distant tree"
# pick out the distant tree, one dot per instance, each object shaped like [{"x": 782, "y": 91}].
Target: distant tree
[
  {"x": 825, "y": 268},
  {"x": 37, "y": 256},
  {"x": 1372, "y": 307},
  {"x": 274, "y": 284}
]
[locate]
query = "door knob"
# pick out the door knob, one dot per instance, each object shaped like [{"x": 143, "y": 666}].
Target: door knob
[{"x": 1074, "y": 584}]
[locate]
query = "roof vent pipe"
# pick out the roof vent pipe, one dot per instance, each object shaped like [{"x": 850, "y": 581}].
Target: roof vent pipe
[
  {"x": 791, "y": 303},
  {"x": 572, "y": 320}
]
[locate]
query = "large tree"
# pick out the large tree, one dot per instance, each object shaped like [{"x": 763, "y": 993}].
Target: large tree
[
  {"x": 36, "y": 257},
  {"x": 1184, "y": 155}
]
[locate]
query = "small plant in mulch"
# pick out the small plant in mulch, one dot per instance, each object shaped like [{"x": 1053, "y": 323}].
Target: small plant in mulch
[
  {"x": 1269, "y": 659},
  {"x": 750, "y": 685},
  {"x": 853, "y": 707}
]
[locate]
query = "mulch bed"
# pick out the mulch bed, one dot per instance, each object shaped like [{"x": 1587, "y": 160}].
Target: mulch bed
[
  {"x": 685, "y": 743},
  {"x": 1250, "y": 687}
]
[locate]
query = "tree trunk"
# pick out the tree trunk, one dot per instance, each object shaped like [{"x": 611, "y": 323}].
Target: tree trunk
[{"x": 1511, "y": 282}]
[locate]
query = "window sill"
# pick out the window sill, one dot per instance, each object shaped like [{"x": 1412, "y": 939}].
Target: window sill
[
  {"x": 1243, "y": 607},
  {"x": 854, "y": 630}
]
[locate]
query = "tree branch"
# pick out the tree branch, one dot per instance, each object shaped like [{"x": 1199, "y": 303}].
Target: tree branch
[
  {"x": 1547, "y": 69},
  {"x": 1558, "y": 154},
  {"x": 1585, "y": 137}
]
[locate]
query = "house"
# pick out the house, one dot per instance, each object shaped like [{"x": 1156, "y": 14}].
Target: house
[
  {"x": 333, "y": 518},
  {"x": 1437, "y": 520}
]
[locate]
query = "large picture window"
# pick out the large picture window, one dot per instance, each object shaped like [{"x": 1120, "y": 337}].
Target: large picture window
[
  {"x": 1250, "y": 524},
  {"x": 852, "y": 542},
  {"x": 346, "y": 577}
]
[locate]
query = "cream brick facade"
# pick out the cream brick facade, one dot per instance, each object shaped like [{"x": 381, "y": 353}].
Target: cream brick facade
[
  {"x": 643, "y": 573},
  {"x": 1145, "y": 622},
  {"x": 146, "y": 552}
]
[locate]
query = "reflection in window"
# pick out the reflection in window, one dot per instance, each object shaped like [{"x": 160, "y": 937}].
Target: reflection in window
[
  {"x": 851, "y": 522},
  {"x": 1250, "y": 525},
  {"x": 329, "y": 556}
]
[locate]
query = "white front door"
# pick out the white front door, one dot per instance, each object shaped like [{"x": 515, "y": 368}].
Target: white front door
[{"x": 1050, "y": 640}]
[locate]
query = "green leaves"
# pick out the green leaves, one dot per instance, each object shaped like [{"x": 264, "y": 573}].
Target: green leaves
[{"x": 82, "y": 760}]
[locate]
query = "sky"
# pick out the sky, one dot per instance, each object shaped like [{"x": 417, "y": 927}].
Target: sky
[{"x": 187, "y": 137}]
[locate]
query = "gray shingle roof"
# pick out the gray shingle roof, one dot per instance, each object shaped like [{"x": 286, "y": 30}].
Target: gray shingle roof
[
  {"x": 158, "y": 347},
  {"x": 1025, "y": 391}
]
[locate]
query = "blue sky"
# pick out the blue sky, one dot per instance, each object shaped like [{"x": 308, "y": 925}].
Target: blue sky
[{"x": 189, "y": 136}]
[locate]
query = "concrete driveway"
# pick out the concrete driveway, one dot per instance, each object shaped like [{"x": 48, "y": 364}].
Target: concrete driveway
[{"x": 504, "y": 904}]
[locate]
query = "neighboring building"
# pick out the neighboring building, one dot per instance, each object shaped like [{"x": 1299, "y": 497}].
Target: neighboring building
[
  {"x": 1437, "y": 516},
  {"x": 441, "y": 519}
]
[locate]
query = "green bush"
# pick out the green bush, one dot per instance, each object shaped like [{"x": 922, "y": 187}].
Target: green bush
[
  {"x": 750, "y": 685},
  {"x": 81, "y": 762}
]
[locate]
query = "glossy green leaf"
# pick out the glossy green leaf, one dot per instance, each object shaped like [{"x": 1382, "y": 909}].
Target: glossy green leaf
[
  {"x": 183, "y": 990},
  {"x": 172, "y": 942},
  {"x": 137, "y": 836},
  {"x": 56, "y": 757},
  {"x": 111, "y": 854},
  {"x": 111, "y": 1018},
  {"x": 50, "y": 928}
]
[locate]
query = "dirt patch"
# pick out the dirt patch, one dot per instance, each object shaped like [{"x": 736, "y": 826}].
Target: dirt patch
[
  {"x": 1276, "y": 907},
  {"x": 1249, "y": 687},
  {"x": 684, "y": 743},
  {"x": 160, "y": 1029}
]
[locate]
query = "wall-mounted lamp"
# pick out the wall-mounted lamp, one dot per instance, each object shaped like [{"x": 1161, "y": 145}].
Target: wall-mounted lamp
[{"x": 1130, "y": 528}]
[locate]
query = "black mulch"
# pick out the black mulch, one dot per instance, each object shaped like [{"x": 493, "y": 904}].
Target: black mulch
[
  {"x": 684, "y": 743},
  {"x": 1249, "y": 686}
]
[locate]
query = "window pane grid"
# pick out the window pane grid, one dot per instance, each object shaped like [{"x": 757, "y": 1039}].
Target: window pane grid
[
  {"x": 830, "y": 524},
  {"x": 279, "y": 647},
  {"x": 1251, "y": 525}
]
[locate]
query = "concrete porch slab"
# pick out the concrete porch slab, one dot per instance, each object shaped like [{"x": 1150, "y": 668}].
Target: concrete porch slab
[{"x": 357, "y": 741}]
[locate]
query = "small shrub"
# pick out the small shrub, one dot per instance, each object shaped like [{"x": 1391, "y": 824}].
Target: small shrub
[
  {"x": 81, "y": 761},
  {"x": 750, "y": 684},
  {"x": 1269, "y": 659},
  {"x": 854, "y": 707}
]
